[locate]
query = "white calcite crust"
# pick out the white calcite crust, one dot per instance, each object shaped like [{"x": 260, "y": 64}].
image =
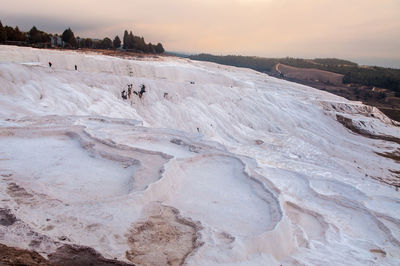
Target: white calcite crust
[{"x": 248, "y": 169}]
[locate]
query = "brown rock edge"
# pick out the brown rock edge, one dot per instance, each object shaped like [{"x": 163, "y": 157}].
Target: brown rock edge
[
  {"x": 66, "y": 255},
  {"x": 163, "y": 237}
]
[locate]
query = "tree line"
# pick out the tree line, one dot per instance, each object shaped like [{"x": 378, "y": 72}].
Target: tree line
[
  {"x": 11, "y": 34},
  {"x": 37, "y": 38}
]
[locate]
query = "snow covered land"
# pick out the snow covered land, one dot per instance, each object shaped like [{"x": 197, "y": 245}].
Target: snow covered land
[{"x": 214, "y": 165}]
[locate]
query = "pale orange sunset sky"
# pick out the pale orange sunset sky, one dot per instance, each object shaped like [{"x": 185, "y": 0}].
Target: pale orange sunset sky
[{"x": 350, "y": 29}]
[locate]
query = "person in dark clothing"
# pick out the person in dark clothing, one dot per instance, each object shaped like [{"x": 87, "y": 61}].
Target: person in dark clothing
[
  {"x": 129, "y": 90},
  {"x": 123, "y": 95},
  {"x": 50, "y": 64},
  {"x": 142, "y": 90},
  {"x": 76, "y": 68}
]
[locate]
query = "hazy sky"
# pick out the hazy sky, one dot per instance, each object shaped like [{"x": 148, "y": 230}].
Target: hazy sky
[{"x": 351, "y": 29}]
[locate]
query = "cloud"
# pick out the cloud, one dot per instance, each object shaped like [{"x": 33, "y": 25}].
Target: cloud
[
  {"x": 311, "y": 28},
  {"x": 52, "y": 24}
]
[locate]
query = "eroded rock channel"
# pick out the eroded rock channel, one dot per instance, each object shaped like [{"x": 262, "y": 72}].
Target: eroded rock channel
[{"x": 162, "y": 238}]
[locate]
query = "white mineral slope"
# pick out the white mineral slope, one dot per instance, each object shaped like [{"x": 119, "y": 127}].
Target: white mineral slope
[{"x": 261, "y": 166}]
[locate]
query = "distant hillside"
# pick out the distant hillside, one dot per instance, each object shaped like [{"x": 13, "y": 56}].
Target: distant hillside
[
  {"x": 375, "y": 86},
  {"x": 387, "y": 78}
]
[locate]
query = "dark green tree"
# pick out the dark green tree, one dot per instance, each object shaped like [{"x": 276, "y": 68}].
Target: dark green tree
[
  {"x": 3, "y": 33},
  {"x": 34, "y": 35},
  {"x": 116, "y": 42},
  {"x": 126, "y": 39},
  {"x": 106, "y": 43},
  {"x": 15, "y": 34},
  {"x": 97, "y": 44},
  {"x": 131, "y": 41},
  {"x": 151, "y": 48},
  {"x": 139, "y": 44},
  {"x": 89, "y": 43},
  {"x": 159, "y": 48},
  {"x": 10, "y": 32},
  {"x": 69, "y": 37},
  {"x": 81, "y": 42}
]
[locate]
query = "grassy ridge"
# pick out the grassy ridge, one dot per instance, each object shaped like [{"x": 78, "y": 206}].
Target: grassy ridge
[{"x": 387, "y": 78}]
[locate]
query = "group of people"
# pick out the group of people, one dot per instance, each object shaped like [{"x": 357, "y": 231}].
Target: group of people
[{"x": 127, "y": 94}]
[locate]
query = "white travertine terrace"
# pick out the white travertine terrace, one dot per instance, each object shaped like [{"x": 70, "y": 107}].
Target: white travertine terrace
[{"x": 255, "y": 170}]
